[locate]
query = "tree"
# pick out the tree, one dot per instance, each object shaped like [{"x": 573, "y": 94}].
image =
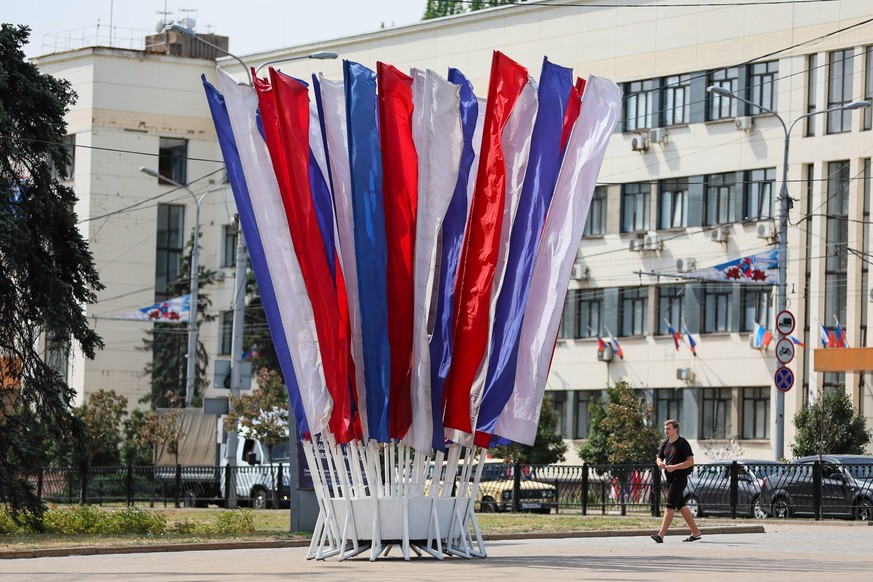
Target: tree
[
  {"x": 257, "y": 340},
  {"x": 168, "y": 343},
  {"x": 549, "y": 446},
  {"x": 830, "y": 426},
  {"x": 439, "y": 8},
  {"x": 48, "y": 273},
  {"x": 134, "y": 449},
  {"x": 101, "y": 418},
  {"x": 263, "y": 413},
  {"x": 622, "y": 429},
  {"x": 162, "y": 431}
]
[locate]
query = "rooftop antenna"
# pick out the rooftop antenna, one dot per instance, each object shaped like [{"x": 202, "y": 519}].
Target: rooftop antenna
[
  {"x": 188, "y": 21},
  {"x": 165, "y": 19}
]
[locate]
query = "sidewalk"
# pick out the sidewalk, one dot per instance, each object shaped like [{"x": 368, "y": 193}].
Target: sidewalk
[{"x": 798, "y": 552}]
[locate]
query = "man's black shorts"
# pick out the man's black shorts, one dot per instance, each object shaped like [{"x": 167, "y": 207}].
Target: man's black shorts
[{"x": 676, "y": 493}]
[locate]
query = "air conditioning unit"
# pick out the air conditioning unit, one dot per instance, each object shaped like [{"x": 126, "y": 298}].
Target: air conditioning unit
[
  {"x": 579, "y": 273},
  {"x": 685, "y": 264},
  {"x": 652, "y": 242},
  {"x": 639, "y": 144},
  {"x": 605, "y": 355},
  {"x": 636, "y": 245},
  {"x": 719, "y": 234},
  {"x": 658, "y": 135},
  {"x": 744, "y": 123},
  {"x": 685, "y": 374},
  {"x": 766, "y": 230}
]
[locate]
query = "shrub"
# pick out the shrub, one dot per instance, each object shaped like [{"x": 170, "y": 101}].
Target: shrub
[
  {"x": 236, "y": 521},
  {"x": 132, "y": 520},
  {"x": 187, "y": 526},
  {"x": 82, "y": 519},
  {"x": 7, "y": 524}
]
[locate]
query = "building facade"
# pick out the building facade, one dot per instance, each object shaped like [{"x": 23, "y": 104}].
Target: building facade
[{"x": 690, "y": 180}]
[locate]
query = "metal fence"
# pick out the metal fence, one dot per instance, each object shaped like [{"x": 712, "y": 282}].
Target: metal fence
[{"x": 817, "y": 489}]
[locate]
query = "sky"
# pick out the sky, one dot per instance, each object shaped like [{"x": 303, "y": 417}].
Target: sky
[{"x": 252, "y": 25}]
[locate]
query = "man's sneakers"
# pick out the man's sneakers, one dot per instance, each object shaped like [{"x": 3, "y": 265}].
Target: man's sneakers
[{"x": 658, "y": 539}]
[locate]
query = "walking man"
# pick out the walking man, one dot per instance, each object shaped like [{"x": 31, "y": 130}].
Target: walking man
[{"x": 677, "y": 460}]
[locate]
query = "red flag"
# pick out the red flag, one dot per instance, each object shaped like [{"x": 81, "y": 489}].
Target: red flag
[
  {"x": 479, "y": 254},
  {"x": 574, "y": 105},
  {"x": 284, "y": 105},
  {"x": 400, "y": 199}
]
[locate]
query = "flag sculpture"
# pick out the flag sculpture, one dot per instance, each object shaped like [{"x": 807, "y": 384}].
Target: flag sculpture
[{"x": 412, "y": 244}]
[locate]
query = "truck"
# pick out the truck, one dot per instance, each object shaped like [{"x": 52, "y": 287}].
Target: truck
[{"x": 202, "y": 474}]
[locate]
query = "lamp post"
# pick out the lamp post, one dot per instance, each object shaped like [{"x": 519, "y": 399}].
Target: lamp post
[
  {"x": 784, "y": 206},
  {"x": 195, "y": 256},
  {"x": 321, "y": 55}
]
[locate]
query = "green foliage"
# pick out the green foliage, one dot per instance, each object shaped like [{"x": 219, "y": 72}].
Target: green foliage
[
  {"x": 438, "y": 8},
  {"x": 236, "y": 521},
  {"x": 161, "y": 431},
  {"x": 622, "y": 429},
  {"x": 48, "y": 273},
  {"x": 256, "y": 335},
  {"x": 168, "y": 343},
  {"x": 830, "y": 426},
  {"x": 263, "y": 413},
  {"x": 549, "y": 446},
  {"x": 134, "y": 449},
  {"x": 101, "y": 418}
]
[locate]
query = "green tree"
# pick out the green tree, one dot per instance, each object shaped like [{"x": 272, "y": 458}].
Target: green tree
[
  {"x": 101, "y": 417},
  {"x": 549, "y": 446},
  {"x": 830, "y": 426},
  {"x": 263, "y": 413},
  {"x": 168, "y": 343},
  {"x": 134, "y": 450},
  {"x": 48, "y": 273},
  {"x": 622, "y": 429},
  {"x": 162, "y": 431},
  {"x": 256, "y": 335},
  {"x": 439, "y": 8}
]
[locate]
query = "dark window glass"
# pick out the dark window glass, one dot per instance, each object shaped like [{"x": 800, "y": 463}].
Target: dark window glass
[
  {"x": 596, "y": 222},
  {"x": 228, "y": 249},
  {"x": 840, "y": 64},
  {"x": 169, "y": 248},
  {"x": 715, "y": 408},
  {"x": 226, "y": 333},
  {"x": 173, "y": 160}
]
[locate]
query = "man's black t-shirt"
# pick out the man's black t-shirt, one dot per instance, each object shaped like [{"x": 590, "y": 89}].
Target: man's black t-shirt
[{"x": 675, "y": 453}]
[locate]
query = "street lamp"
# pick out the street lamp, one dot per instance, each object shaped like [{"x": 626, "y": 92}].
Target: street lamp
[
  {"x": 321, "y": 55},
  {"x": 195, "y": 255},
  {"x": 781, "y": 297}
]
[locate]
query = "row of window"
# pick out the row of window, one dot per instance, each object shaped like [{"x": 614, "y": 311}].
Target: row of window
[
  {"x": 703, "y": 307},
  {"x": 691, "y": 201},
  {"x": 682, "y": 99},
  {"x": 715, "y": 418}
]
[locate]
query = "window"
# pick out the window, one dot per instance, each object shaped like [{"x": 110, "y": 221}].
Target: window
[
  {"x": 840, "y": 65},
  {"x": 228, "y": 249},
  {"x": 758, "y": 194},
  {"x": 868, "y": 87},
  {"x": 763, "y": 85},
  {"x": 57, "y": 354},
  {"x": 668, "y": 405},
  {"x": 671, "y": 307},
  {"x": 811, "y": 88},
  {"x": 677, "y": 99},
  {"x": 756, "y": 305},
  {"x": 226, "y": 333},
  {"x": 633, "y": 312},
  {"x": 639, "y": 104},
  {"x": 595, "y": 225},
  {"x": 836, "y": 245},
  {"x": 559, "y": 403},
  {"x": 756, "y": 413},
  {"x": 69, "y": 144},
  {"x": 582, "y": 312},
  {"x": 673, "y": 203},
  {"x": 635, "y": 206},
  {"x": 582, "y": 418},
  {"x": 719, "y": 199},
  {"x": 717, "y": 307},
  {"x": 173, "y": 160},
  {"x": 715, "y": 405},
  {"x": 170, "y": 245},
  {"x": 723, "y": 107}
]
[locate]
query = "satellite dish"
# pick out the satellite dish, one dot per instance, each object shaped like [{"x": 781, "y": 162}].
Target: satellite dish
[
  {"x": 160, "y": 26},
  {"x": 188, "y": 23}
]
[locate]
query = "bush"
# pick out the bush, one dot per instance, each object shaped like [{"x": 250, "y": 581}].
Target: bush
[
  {"x": 132, "y": 520},
  {"x": 86, "y": 519},
  {"x": 236, "y": 521},
  {"x": 187, "y": 527},
  {"x": 82, "y": 519},
  {"x": 7, "y": 525}
]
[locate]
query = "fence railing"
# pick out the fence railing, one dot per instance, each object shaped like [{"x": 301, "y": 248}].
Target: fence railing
[{"x": 738, "y": 489}]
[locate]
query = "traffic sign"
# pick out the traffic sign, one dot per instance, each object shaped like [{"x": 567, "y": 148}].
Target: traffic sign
[
  {"x": 785, "y": 322},
  {"x": 784, "y": 350},
  {"x": 784, "y": 379}
]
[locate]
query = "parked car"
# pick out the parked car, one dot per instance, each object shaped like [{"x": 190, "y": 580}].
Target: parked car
[
  {"x": 846, "y": 488},
  {"x": 709, "y": 487},
  {"x": 495, "y": 490}
]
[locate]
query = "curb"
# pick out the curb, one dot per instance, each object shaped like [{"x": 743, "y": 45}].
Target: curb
[{"x": 201, "y": 547}]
